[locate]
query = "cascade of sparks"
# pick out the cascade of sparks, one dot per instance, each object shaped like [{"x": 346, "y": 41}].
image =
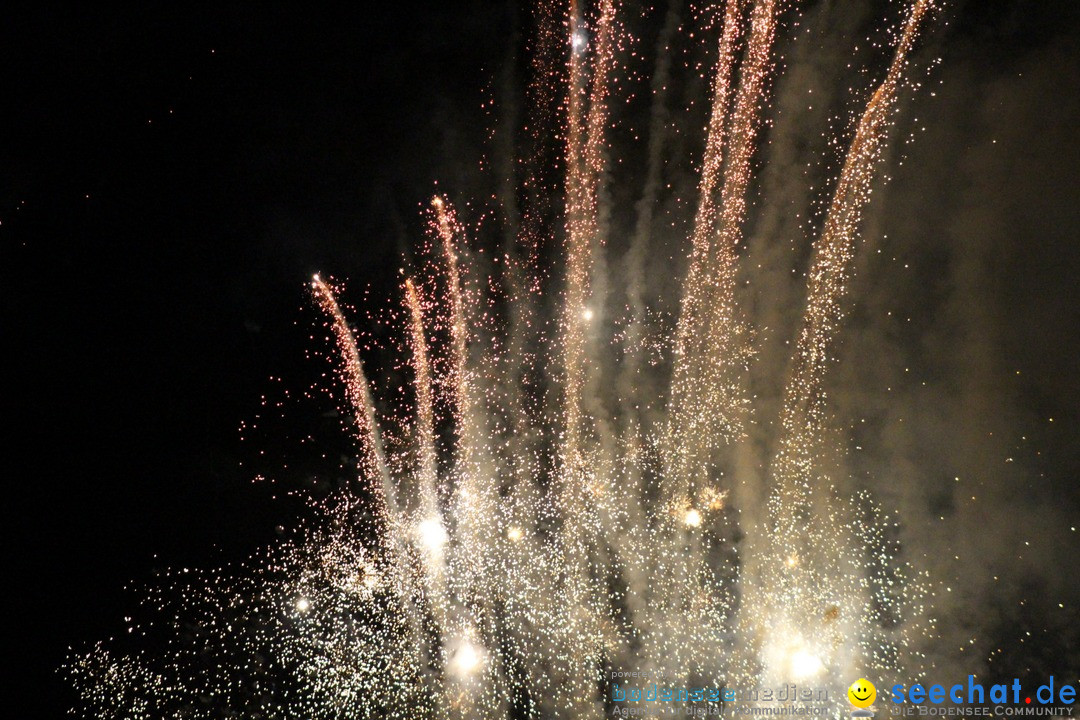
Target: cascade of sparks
[
  {"x": 804, "y": 511},
  {"x": 530, "y": 538}
]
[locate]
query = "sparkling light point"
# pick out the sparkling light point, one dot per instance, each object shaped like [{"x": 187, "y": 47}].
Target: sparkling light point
[{"x": 432, "y": 534}]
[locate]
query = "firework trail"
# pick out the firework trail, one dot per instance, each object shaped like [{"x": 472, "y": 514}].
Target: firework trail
[
  {"x": 804, "y": 407},
  {"x": 706, "y": 404},
  {"x": 373, "y": 468},
  {"x": 813, "y": 582},
  {"x": 584, "y": 169},
  {"x": 514, "y": 546},
  {"x": 587, "y": 120},
  {"x": 646, "y": 209},
  {"x": 804, "y": 411},
  {"x": 705, "y": 398},
  {"x": 425, "y": 413},
  {"x": 447, "y": 228}
]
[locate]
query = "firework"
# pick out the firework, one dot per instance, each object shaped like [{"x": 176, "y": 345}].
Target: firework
[{"x": 527, "y": 538}]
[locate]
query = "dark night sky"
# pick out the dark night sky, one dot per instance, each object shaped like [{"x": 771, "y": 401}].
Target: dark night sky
[
  {"x": 168, "y": 180},
  {"x": 142, "y": 323}
]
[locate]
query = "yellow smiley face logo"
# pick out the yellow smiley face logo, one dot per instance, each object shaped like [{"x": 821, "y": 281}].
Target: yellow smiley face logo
[{"x": 862, "y": 693}]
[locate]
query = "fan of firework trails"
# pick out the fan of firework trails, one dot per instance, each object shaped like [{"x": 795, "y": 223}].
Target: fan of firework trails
[{"x": 565, "y": 530}]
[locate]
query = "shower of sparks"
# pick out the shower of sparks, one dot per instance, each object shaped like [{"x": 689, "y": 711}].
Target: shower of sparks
[
  {"x": 803, "y": 512},
  {"x": 527, "y": 539}
]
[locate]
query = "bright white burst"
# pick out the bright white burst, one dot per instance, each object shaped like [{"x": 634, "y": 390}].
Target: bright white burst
[
  {"x": 432, "y": 535},
  {"x": 579, "y": 41},
  {"x": 805, "y": 665},
  {"x": 467, "y": 659}
]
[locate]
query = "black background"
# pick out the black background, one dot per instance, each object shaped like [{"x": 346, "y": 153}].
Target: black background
[{"x": 169, "y": 178}]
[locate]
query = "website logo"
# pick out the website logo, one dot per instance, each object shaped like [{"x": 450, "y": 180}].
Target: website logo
[{"x": 862, "y": 694}]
